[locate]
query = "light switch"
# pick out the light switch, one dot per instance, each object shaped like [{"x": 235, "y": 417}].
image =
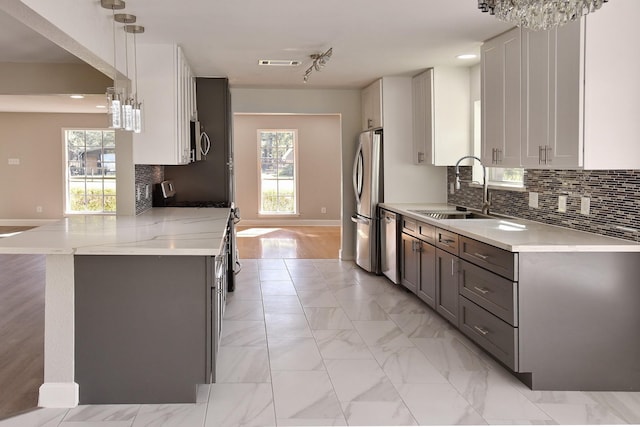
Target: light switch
[
  {"x": 585, "y": 205},
  {"x": 533, "y": 199},
  {"x": 562, "y": 203}
]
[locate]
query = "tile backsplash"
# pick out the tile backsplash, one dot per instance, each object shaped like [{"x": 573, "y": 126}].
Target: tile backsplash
[
  {"x": 614, "y": 197},
  {"x": 147, "y": 175}
]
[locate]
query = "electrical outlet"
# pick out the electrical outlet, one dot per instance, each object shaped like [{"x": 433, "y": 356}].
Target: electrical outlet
[
  {"x": 39, "y": 209},
  {"x": 14, "y": 161},
  {"x": 533, "y": 199},
  {"x": 562, "y": 203},
  {"x": 585, "y": 205},
  {"x": 146, "y": 191},
  {"x": 138, "y": 193},
  {"x": 452, "y": 188},
  {"x": 323, "y": 210}
]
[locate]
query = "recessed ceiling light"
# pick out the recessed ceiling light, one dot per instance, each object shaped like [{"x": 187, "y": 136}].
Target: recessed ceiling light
[
  {"x": 279, "y": 62},
  {"x": 101, "y": 106},
  {"x": 467, "y": 56},
  {"x": 77, "y": 96}
]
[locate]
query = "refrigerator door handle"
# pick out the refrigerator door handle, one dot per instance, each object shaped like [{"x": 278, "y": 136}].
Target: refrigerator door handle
[
  {"x": 360, "y": 220},
  {"x": 358, "y": 177}
]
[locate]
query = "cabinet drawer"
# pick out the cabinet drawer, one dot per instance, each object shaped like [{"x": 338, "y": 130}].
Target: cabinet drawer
[
  {"x": 493, "y": 259},
  {"x": 447, "y": 240},
  {"x": 426, "y": 232},
  {"x": 489, "y": 332},
  {"x": 490, "y": 291},
  {"x": 409, "y": 226}
]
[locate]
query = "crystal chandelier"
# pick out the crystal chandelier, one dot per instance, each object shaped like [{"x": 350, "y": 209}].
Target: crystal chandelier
[{"x": 539, "y": 14}]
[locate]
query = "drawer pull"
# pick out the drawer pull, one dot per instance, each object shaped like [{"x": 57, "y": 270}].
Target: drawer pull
[
  {"x": 481, "y": 290},
  {"x": 476, "y": 254},
  {"x": 447, "y": 241},
  {"x": 480, "y": 329}
]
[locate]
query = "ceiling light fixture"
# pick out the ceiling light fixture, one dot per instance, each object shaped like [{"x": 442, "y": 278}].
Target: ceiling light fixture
[
  {"x": 279, "y": 62},
  {"x": 467, "y": 56},
  {"x": 319, "y": 61},
  {"x": 76, "y": 96},
  {"x": 539, "y": 14}
]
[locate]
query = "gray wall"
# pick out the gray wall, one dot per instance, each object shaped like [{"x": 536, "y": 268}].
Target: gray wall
[{"x": 314, "y": 101}]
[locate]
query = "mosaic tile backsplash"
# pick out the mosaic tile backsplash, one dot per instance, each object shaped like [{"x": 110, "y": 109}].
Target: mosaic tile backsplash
[
  {"x": 147, "y": 175},
  {"x": 614, "y": 197}
]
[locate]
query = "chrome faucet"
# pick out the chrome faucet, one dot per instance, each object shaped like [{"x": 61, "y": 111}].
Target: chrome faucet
[{"x": 485, "y": 185}]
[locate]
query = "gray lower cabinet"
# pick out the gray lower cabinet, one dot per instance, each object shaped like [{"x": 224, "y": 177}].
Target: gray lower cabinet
[
  {"x": 447, "y": 285},
  {"x": 417, "y": 260},
  {"x": 409, "y": 263},
  {"x": 427, "y": 285},
  {"x": 143, "y": 327}
]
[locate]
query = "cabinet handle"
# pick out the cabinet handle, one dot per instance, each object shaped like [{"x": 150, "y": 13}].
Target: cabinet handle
[
  {"x": 493, "y": 156},
  {"x": 483, "y": 291},
  {"x": 476, "y": 254},
  {"x": 547, "y": 154},
  {"x": 369, "y": 123},
  {"x": 418, "y": 246},
  {"x": 480, "y": 329},
  {"x": 447, "y": 241},
  {"x": 453, "y": 261},
  {"x": 420, "y": 157},
  {"x": 539, "y": 154},
  {"x": 500, "y": 156}
]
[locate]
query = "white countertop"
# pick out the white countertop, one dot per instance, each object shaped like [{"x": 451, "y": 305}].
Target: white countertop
[
  {"x": 159, "y": 231},
  {"x": 517, "y": 235}
]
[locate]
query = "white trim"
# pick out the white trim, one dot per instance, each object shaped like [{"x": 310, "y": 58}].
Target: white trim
[
  {"x": 504, "y": 187},
  {"x": 290, "y": 222},
  {"x": 27, "y": 222},
  {"x": 58, "y": 395}
]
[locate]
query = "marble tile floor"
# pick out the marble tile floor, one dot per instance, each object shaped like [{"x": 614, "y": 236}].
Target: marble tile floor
[{"x": 321, "y": 342}]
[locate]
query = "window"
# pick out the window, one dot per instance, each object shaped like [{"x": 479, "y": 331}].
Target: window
[
  {"x": 278, "y": 171},
  {"x": 506, "y": 176},
  {"x": 90, "y": 171}
]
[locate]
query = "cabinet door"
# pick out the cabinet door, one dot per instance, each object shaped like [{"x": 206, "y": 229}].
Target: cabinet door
[
  {"x": 422, "y": 92},
  {"x": 501, "y": 100},
  {"x": 409, "y": 263},
  {"x": 552, "y": 108},
  {"x": 371, "y": 99},
  {"x": 427, "y": 284},
  {"x": 447, "y": 285}
]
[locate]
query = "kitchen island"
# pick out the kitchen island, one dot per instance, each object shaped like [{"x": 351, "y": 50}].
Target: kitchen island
[
  {"x": 560, "y": 308},
  {"x": 144, "y": 259}
]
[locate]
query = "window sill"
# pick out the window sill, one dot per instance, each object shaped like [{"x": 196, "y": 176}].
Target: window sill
[
  {"x": 277, "y": 214},
  {"x": 501, "y": 187}
]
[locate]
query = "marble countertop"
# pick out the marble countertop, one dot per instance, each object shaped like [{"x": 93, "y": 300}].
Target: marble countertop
[
  {"x": 159, "y": 231},
  {"x": 517, "y": 235}
]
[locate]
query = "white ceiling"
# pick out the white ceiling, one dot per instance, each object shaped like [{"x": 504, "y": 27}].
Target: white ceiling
[{"x": 370, "y": 38}]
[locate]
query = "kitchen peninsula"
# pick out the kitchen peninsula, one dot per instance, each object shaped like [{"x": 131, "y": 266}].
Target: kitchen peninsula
[
  {"x": 558, "y": 307},
  {"x": 131, "y": 304}
]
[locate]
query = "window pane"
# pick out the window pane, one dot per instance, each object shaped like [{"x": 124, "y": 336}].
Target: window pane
[
  {"x": 91, "y": 166},
  {"x": 277, "y": 168}
]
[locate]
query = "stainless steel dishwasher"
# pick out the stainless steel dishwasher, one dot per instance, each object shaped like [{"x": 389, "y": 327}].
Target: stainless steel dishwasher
[{"x": 389, "y": 245}]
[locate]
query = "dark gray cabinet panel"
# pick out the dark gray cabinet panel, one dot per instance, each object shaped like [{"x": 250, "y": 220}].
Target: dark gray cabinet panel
[
  {"x": 143, "y": 328},
  {"x": 447, "y": 285},
  {"x": 427, "y": 284},
  {"x": 497, "y": 337},
  {"x": 499, "y": 261},
  {"x": 490, "y": 291},
  {"x": 409, "y": 263}
]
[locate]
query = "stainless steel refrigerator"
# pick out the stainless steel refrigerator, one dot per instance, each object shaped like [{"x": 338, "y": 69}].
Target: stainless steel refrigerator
[{"x": 368, "y": 188}]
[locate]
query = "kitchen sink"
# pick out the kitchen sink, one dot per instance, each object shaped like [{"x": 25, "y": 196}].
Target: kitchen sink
[{"x": 451, "y": 214}]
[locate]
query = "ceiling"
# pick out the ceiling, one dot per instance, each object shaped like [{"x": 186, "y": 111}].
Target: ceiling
[{"x": 370, "y": 38}]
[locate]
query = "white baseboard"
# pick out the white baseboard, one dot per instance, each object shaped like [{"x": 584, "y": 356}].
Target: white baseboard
[
  {"x": 58, "y": 395},
  {"x": 26, "y": 222},
  {"x": 284, "y": 222}
]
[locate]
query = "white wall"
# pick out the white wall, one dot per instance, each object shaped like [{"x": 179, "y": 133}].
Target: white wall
[{"x": 314, "y": 101}]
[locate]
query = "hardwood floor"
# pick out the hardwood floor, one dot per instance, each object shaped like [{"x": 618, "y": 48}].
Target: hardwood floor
[
  {"x": 21, "y": 331},
  {"x": 317, "y": 242}
]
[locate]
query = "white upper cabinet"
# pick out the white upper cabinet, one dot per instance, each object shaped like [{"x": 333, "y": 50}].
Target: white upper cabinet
[
  {"x": 578, "y": 94},
  {"x": 371, "y": 99},
  {"x": 441, "y": 116},
  {"x": 501, "y": 100},
  {"x": 167, "y": 89}
]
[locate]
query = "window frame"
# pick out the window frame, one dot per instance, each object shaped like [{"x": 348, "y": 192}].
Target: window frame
[
  {"x": 296, "y": 181},
  {"x": 66, "y": 174}
]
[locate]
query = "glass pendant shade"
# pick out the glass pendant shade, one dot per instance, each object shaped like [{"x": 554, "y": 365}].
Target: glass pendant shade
[
  {"x": 137, "y": 117},
  {"x": 114, "y": 108},
  {"x": 539, "y": 14},
  {"x": 127, "y": 113}
]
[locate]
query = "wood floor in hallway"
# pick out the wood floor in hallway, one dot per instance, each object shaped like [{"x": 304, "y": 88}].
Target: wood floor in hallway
[
  {"x": 21, "y": 332},
  {"x": 302, "y": 242}
]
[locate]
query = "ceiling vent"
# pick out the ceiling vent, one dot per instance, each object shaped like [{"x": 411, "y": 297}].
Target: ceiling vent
[{"x": 279, "y": 62}]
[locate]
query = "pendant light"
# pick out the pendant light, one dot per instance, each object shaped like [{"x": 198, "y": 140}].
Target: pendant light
[
  {"x": 127, "y": 104},
  {"x": 114, "y": 96},
  {"x": 136, "y": 103}
]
